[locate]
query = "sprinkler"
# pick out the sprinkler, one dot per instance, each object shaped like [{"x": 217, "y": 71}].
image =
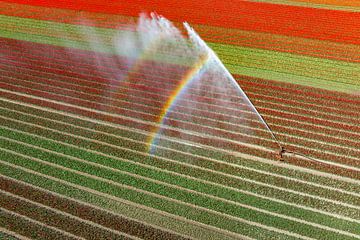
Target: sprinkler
[
  {"x": 280, "y": 154},
  {"x": 282, "y": 150}
]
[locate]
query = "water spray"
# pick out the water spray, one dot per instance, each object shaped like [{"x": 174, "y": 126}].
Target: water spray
[
  {"x": 194, "y": 36},
  {"x": 156, "y": 36}
]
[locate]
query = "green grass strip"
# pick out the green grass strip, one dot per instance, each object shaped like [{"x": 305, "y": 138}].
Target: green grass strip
[
  {"x": 290, "y": 64},
  {"x": 294, "y": 79}
]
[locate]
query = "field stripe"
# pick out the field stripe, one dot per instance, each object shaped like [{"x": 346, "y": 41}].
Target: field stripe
[
  {"x": 49, "y": 86},
  {"x": 63, "y": 91},
  {"x": 196, "y": 232},
  {"x": 266, "y": 95},
  {"x": 333, "y": 129},
  {"x": 289, "y": 218},
  {"x": 279, "y": 106},
  {"x": 330, "y": 122},
  {"x": 252, "y": 223},
  {"x": 209, "y": 33},
  {"x": 227, "y": 51},
  {"x": 249, "y": 68},
  {"x": 78, "y": 126},
  {"x": 299, "y": 18},
  {"x": 153, "y": 168},
  {"x": 89, "y": 68},
  {"x": 254, "y": 58},
  {"x": 70, "y": 219},
  {"x": 8, "y": 214},
  {"x": 348, "y": 158},
  {"x": 143, "y": 121},
  {"x": 209, "y": 159},
  {"x": 13, "y": 234},
  {"x": 329, "y": 144},
  {"x": 240, "y": 205},
  {"x": 239, "y": 178},
  {"x": 258, "y": 159},
  {"x": 221, "y": 48},
  {"x": 87, "y": 211},
  {"x": 352, "y": 3},
  {"x": 103, "y": 143},
  {"x": 234, "y": 189},
  {"x": 104, "y": 84},
  {"x": 115, "y": 126},
  {"x": 88, "y": 65},
  {"x": 262, "y": 184},
  {"x": 263, "y": 172},
  {"x": 127, "y": 203},
  {"x": 350, "y": 6},
  {"x": 78, "y": 186}
]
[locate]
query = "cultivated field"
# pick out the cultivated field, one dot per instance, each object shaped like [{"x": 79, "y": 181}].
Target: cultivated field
[{"x": 74, "y": 142}]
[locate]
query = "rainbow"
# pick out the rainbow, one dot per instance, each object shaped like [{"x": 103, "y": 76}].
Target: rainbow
[{"x": 170, "y": 102}]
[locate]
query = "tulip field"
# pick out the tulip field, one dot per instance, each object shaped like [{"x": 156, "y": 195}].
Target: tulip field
[{"x": 74, "y": 159}]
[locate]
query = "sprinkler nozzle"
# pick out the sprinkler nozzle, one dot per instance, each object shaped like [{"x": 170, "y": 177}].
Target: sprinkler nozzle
[{"x": 280, "y": 154}]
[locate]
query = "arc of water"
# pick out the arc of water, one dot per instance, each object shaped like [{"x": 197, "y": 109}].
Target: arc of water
[
  {"x": 204, "y": 55},
  {"x": 247, "y": 100},
  {"x": 193, "y": 35}
]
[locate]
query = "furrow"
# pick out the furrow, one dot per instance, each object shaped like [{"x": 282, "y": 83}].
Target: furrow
[
  {"x": 4, "y": 231},
  {"x": 348, "y": 159},
  {"x": 30, "y": 227},
  {"x": 90, "y": 90},
  {"x": 333, "y": 129},
  {"x": 165, "y": 207},
  {"x": 263, "y": 184},
  {"x": 339, "y": 118},
  {"x": 120, "y": 134},
  {"x": 305, "y": 98},
  {"x": 164, "y": 198},
  {"x": 261, "y": 211},
  {"x": 209, "y": 196},
  {"x": 87, "y": 211},
  {"x": 346, "y": 173},
  {"x": 162, "y": 165},
  {"x": 64, "y": 117},
  {"x": 205, "y": 121},
  {"x": 59, "y": 219}
]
